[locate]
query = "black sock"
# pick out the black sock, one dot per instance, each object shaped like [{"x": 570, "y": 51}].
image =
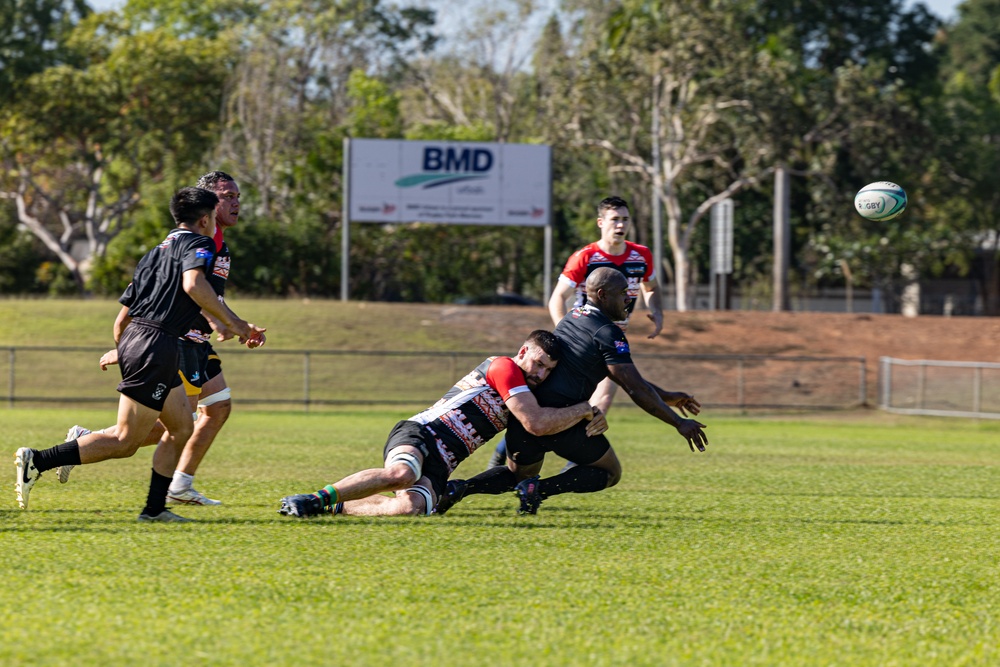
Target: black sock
[
  {"x": 581, "y": 479},
  {"x": 66, "y": 454},
  {"x": 156, "y": 501},
  {"x": 493, "y": 481}
]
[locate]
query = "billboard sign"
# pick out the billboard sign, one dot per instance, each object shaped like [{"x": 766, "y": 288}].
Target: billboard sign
[{"x": 467, "y": 183}]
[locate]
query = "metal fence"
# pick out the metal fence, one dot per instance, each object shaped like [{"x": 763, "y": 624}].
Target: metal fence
[
  {"x": 314, "y": 379},
  {"x": 941, "y": 388}
]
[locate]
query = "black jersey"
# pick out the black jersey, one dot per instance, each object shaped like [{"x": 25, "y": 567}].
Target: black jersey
[
  {"x": 157, "y": 289},
  {"x": 201, "y": 331},
  {"x": 591, "y": 342}
]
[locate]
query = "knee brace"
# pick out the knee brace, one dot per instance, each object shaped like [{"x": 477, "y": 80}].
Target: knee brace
[
  {"x": 407, "y": 459},
  {"x": 217, "y": 397},
  {"x": 426, "y": 494}
]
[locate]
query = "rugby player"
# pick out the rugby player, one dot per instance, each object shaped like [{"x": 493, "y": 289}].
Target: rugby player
[
  {"x": 169, "y": 287},
  {"x": 594, "y": 348},
  {"x": 423, "y": 451},
  {"x": 200, "y": 366}
]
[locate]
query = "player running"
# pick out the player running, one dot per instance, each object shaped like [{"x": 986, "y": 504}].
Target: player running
[
  {"x": 169, "y": 288},
  {"x": 200, "y": 366}
]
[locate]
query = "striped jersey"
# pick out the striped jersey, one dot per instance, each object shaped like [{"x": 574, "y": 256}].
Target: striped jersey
[
  {"x": 636, "y": 264},
  {"x": 474, "y": 410}
]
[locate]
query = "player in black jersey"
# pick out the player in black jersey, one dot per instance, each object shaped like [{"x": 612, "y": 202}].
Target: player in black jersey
[
  {"x": 200, "y": 366},
  {"x": 169, "y": 289},
  {"x": 594, "y": 347},
  {"x": 422, "y": 451}
]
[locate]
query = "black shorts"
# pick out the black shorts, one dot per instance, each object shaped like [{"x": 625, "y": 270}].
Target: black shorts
[
  {"x": 414, "y": 435},
  {"x": 147, "y": 358},
  {"x": 573, "y": 444},
  {"x": 198, "y": 364}
]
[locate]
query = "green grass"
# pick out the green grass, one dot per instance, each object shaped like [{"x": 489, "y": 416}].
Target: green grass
[{"x": 849, "y": 540}]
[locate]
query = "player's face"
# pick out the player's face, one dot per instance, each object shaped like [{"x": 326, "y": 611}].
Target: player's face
[
  {"x": 614, "y": 300},
  {"x": 536, "y": 364},
  {"x": 614, "y": 224},
  {"x": 227, "y": 212}
]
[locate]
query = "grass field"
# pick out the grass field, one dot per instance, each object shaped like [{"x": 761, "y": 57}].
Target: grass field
[{"x": 849, "y": 539}]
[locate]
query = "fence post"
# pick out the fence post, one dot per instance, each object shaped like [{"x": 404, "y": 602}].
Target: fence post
[
  {"x": 977, "y": 385},
  {"x": 305, "y": 380},
  {"x": 739, "y": 385},
  {"x": 10, "y": 383},
  {"x": 920, "y": 385},
  {"x": 863, "y": 385}
]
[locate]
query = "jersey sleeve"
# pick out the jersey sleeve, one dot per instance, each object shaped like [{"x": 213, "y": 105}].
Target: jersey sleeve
[
  {"x": 647, "y": 255},
  {"x": 128, "y": 296},
  {"x": 611, "y": 341},
  {"x": 506, "y": 377},
  {"x": 575, "y": 271},
  {"x": 198, "y": 254}
]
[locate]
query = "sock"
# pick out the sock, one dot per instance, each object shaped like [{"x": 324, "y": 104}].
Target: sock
[
  {"x": 581, "y": 479},
  {"x": 66, "y": 454},
  {"x": 181, "y": 482},
  {"x": 330, "y": 497},
  {"x": 492, "y": 481},
  {"x": 156, "y": 501}
]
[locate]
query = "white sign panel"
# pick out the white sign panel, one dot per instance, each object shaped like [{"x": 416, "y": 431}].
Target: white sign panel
[{"x": 449, "y": 182}]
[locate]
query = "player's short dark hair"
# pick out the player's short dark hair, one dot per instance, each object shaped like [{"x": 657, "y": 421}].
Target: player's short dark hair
[
  {"x": 188, "y": 205},
  {"x": 213, "y": 178},
  {"x": 547, "y": 341},
  {"x": 610, "y": 203}
]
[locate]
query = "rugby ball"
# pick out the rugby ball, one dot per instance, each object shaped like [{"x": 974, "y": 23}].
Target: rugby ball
[{"x": 880, "y": 201}]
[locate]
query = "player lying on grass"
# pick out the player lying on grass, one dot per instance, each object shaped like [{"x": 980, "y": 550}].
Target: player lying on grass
[
  {"x": 594, "y": 348},
  {"x": 422, "y": 451},
  {"x": 169, "y": 289}
]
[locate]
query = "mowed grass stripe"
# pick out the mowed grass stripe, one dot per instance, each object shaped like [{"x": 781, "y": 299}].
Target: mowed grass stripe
[{"x": 822, "y": 541}]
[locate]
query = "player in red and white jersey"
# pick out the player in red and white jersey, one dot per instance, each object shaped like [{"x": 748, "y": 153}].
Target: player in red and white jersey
[{"x": 422, "y": 451}]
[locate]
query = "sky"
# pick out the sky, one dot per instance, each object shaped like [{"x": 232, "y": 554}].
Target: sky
[{"x": 943, "y": 8}]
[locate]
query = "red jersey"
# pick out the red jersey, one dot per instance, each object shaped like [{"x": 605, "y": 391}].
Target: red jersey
[
  {"x": 474, "y": 410},
  {"x": 636, "y": 264}
]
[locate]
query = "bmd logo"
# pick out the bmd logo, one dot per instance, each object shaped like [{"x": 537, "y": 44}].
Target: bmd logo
[{"x": 442, "y": 166}]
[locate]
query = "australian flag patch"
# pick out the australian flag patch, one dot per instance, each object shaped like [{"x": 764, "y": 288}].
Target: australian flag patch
[
  {"x": 201, "y": 253},
  {"x": 621, "y": 346}
]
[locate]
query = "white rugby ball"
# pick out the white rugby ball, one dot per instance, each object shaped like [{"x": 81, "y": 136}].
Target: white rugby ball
[{"x": 880, "y": 201}]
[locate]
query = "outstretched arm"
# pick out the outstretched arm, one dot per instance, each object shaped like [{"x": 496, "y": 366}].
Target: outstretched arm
[
  {"x": 199, "y": 289},
  {"x": 648, "y": 398},
  {"x": 678, "y": 399},
  {"x": 546, "y": 421}
]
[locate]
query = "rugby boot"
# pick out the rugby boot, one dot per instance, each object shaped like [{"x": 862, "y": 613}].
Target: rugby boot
[
  {"x": 527, "y": 493},
  {"x": 453, "y": 493}
]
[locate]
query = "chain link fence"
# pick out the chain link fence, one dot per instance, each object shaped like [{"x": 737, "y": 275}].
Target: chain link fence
[
  {"x": 317, "y": 379},
  {"x": 940, "y": 388}
]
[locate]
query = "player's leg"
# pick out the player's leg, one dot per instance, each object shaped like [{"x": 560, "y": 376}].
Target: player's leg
[
  {"x": 215, "y": 406},
  {"x": 597, "y": 468},
  {"x": 499, "y": 455},
  {"x": 603, "y": 397},
  {"x": 77, "y": 431},
  {"x": 417, "y": 500},
  {"x": 176, "y": 416},
  {"x": 133, "y": 417},
  {"x": 404, "y": 459},
  {"x": 498, "y": 479}
]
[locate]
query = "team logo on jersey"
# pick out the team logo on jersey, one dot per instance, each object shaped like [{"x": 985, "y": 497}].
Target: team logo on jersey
[
  {"x": 221, "y": 267},
  {"x": 158, "y": 393},
  {"x": 621, "y": 346}
]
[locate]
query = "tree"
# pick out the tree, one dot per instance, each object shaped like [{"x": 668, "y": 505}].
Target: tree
[{"x": 82, "y": 140}]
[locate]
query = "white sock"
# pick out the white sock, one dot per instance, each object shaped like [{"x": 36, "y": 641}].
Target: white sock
[{"x": 182, "y": 482}]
